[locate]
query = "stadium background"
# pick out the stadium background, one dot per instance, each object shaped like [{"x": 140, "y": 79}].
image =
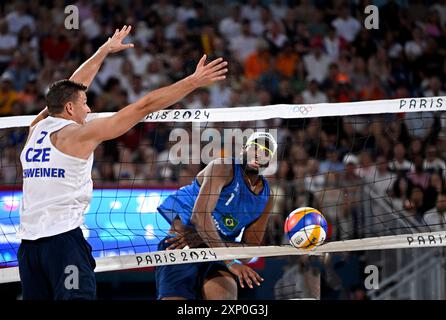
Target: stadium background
[{"x": 290, "y": 52}]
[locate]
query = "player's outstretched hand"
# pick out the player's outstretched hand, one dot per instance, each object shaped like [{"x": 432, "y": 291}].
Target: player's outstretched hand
[
  {"x": 114, "y": 44},
  {"x": 183, "y": 240},
  {"x": 245, "y": 274},
  {"x": 205, "y": 75}
]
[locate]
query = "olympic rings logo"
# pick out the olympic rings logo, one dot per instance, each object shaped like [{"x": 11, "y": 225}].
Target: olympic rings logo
[{"x": 304, "y": 110}]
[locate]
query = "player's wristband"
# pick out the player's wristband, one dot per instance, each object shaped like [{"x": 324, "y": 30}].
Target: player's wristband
[{"x": 233, "y": 262}]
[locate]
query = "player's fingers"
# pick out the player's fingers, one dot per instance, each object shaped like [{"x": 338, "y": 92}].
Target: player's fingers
[
  {"x": 259, "y": 277},
  {"x": 219, "y": 66},
  {"x": 256, "y": 278},
  {"x": 172, "y": 238},
  {"x": 125, "y": 30},
  {"x": 219, "y": 72},
  {"x": 202, "y": 60},
  {"x": 128, "y": 45},
  {"x": 179, "y": 245},
  {"x": 218, "y": 78},
  {"x": 121, "y": 33},
  {"x": 240, "y": 280},
  {"x": 171, "y": 247},
  {"x": 247, "y": 279},
  {"x": 213, "y": 63},
  {"x": 175, "y": 245},
  {"x": 129, "y": 28}
]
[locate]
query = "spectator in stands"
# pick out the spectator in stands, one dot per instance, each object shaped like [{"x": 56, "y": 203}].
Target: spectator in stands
[
  {"x": 329, "y": 202},
  {"x": 332, "y": 163},
  {"x": 333, "y": 43},
  {"x": 314, "y": 179},
  {"x": 434, "y": 88},
  {"x": 305, "y": 11},
  {"x": 366, "y": 168},
  {"x": 275, "y": 35},
  {"x": 139, "y": 59},
  {"x": 313, "y": 94},
  {"x": 21, "y": 70},
  {"x": 56, "y": 46},
  {"x": 351, "y": 185},
  {"x": 29, "y": 96},
  {"x": 373, "y": 90},
  {"x": 220, "y": 95},
  {"x": 412, "y": 216},
  {"x": 244, "y": 44},
  {"x": 383, "y": 180},
  {"x": 231, "y": 27},
  {"x": 125, "y": 170},
  {"x": 432, "y": 163},
  {"x": 317, "y": 62},
  {"x": 8, "y": 43},
  {"x": 7, "y": 94},
  {"x": 400, "y": 164},
  {"x": 361, "y": 79},
  {"x": 346, "y": 26},
  {"x": 416, "y": 149},
  {"x": 435, "y": 187},
  {"x": 286, "y": 61},
  {"x": 414, "y": 48},
  {"x": 259, "y": 27},
  {"x": 252, "y": 10},
  {"x": 258, "y": 62},
  {"x": 435, "y": 219},
  {"x": 418, "y": 176},
  {"x": 18, "y": 18},
  {"x": 136, "y": 89}
]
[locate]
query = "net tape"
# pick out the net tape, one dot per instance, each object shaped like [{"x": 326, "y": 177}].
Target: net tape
[
  {"x": 284, "y": 111},
  {"x": 160, "y": 258}
]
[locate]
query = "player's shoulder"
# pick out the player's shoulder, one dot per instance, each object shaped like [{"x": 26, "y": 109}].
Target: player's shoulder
[
  {"x": 70, "y": 128},
  {"x": 221, "y": 167}
]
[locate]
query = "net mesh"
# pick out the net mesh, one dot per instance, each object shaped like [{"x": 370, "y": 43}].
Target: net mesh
[{"x": 369, "y": 174}]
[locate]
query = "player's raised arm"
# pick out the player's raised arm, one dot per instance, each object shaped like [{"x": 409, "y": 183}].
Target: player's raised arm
[
  {"x": 98, "y": 130},
  {"x": 88, "y": 70}
]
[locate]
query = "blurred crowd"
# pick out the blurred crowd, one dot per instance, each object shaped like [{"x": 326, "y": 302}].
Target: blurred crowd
[{"x": 280, "y": 51}]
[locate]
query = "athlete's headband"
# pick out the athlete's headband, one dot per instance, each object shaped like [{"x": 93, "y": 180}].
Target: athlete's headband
[{"x": 256, "y": 136}]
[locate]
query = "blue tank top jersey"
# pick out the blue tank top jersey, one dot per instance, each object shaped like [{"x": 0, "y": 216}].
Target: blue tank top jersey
[{"x": 236, "y": 208}]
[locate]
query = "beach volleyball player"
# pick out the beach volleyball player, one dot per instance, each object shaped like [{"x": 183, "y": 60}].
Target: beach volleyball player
[
  {"x": 223, "y": 202},
  {"x": 57, "y": 161}
]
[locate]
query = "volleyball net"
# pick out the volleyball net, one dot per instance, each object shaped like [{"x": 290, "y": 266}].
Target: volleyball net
[{"x": 375, "y": 170}]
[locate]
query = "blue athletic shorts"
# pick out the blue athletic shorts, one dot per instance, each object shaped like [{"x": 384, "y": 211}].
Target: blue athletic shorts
[
  {"x": 183, "y": 280},
  {"x": 43, "y": 268}
]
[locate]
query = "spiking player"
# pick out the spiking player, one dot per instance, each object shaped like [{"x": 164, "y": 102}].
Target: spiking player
[
  {"x": 223, "y": 201},
  {"x": 57, "y": 161}
]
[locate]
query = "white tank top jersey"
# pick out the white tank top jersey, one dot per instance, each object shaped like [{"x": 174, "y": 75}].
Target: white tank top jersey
[{"x": 57, "y": 188}]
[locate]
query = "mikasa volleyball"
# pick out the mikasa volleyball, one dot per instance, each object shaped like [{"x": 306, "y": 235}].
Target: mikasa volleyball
[{"x": 306, "y": 228}]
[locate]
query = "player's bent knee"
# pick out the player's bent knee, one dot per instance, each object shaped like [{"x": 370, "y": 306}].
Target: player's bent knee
[{"x": 220, "y": 286}]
